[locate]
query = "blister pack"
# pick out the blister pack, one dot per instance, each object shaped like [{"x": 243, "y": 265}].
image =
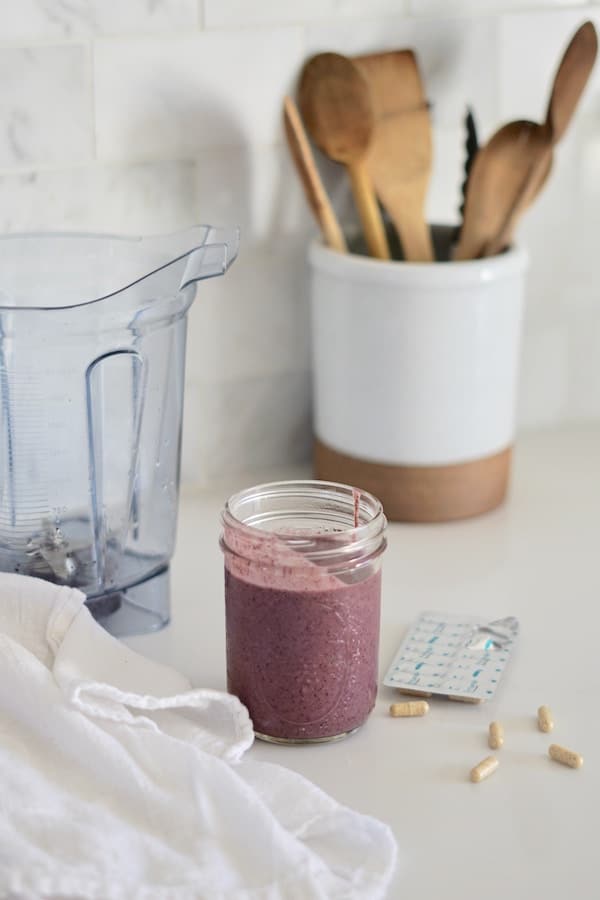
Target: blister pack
[{"x": 455, "y": 656}]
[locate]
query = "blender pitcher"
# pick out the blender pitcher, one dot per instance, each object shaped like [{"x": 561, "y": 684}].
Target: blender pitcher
[{"x": 92, "y": 353}]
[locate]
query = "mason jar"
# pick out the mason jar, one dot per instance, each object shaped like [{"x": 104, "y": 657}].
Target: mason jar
[{"x": 302, "y": 601}]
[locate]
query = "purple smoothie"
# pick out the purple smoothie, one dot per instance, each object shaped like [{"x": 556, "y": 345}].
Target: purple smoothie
[{"x": 303, "y": 657}]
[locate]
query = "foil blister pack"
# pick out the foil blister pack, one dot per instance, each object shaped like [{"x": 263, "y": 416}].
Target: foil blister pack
[{"x": 460, "y": 657}]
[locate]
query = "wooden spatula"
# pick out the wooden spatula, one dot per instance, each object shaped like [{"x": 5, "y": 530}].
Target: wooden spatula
[{"x": 399, "y": 156}]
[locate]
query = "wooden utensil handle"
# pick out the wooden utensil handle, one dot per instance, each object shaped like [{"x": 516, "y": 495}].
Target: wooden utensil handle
[
  {"x": 368, "y": 210},
  {"x": 415, "y": 238},
  {"x": 330, "y": 227},
  {"x": 538, "y": 173},
  {"x": 314, "y": 189}
]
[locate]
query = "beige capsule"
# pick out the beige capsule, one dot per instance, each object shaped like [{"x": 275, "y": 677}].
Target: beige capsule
[
  {"x": 566, "y": 757},
  {"x": 409, "y": 708},
  {"x": 414, "y": 693},
  {"x": 495, "y": 735},
  {"x": 484, "y": 769},
  {"x": 545, "y": 719}
]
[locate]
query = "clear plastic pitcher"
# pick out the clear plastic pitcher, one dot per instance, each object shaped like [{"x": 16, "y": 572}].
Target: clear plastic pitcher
[{"x": 92, "y": 353}]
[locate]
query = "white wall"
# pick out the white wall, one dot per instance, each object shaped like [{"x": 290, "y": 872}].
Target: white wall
[{"x": 150, "y": 115}]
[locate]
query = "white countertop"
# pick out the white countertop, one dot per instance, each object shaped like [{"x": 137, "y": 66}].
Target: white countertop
[{"x": 531, "y": 830}]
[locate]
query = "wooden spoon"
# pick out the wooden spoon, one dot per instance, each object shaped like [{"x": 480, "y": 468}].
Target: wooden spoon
[
  {"x": 336, "y": 107},
  {"x": 314, "y": 189},
  {"x": 399, "y": 157},
  {"x": 499, "y": 175},
  {"x": 540, "y": 165},
  {"x": 570, "y": 80}
]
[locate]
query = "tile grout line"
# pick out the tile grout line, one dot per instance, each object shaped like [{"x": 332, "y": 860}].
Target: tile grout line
[
  {"x": 135, "y": 160},
  {"x": 404, "y": 13},
  {"x": 34, "y": 42},
  {"x": 92, "y": 93}
]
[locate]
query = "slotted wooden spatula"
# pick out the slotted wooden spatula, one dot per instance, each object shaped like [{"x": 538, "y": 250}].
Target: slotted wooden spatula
[{"x": 399, "y": 155}]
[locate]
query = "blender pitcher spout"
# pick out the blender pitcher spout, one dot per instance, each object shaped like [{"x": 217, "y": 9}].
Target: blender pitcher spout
[
  {"x": 178, "y": 262},
  {"x": 213, "y": 256},
  {"x": 121, "y": 274}
]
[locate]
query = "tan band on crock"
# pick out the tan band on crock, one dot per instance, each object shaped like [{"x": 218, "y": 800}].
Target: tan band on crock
[{"x": 422, "y": 493}]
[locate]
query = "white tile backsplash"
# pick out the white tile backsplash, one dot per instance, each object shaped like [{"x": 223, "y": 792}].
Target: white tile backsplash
[
  {"x": 45, "y": 106},
  {"x": 545, "y": 376},
  {"x": 50, "y": 19},
  {"x": 254, "y": 322},
  {"x": 151, "y": 115},
  {"x": 232, "y": 13},
  {"x": 255, "y": 188},
  {"x": 250, "y": 423},
  {"x": 440, "y": 7},
  {"x": 583, "y": 399},
  {"x": 158, "y": 98},
  {"x": 151, "y": 197}
]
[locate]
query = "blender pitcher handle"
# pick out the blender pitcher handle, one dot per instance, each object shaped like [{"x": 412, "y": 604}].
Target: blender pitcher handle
[{"x": 114, "y": 418}]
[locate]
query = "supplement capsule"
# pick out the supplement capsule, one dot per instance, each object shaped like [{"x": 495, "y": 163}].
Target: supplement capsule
[
  {"x": 564, "y": 756},
  {"x": 409, "y": 708},
  {"x": 545, "y": 720},
  {"x": 484, "y": 769},
  {"x": 414, "y": 693},
  {"x": 495, "y": 735},
  {"x": 464, "y": 699}
]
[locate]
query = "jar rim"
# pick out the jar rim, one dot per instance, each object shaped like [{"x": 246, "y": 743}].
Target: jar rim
[
  {"x": 353, "y": 544},
  {"x": 298, "y": 488}
]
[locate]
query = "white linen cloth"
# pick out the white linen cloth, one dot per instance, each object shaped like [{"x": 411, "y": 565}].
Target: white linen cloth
[{"x": 118, "y": 781}]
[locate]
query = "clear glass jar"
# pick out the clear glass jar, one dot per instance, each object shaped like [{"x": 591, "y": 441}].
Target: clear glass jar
[{"x": 302, "y": 600}]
